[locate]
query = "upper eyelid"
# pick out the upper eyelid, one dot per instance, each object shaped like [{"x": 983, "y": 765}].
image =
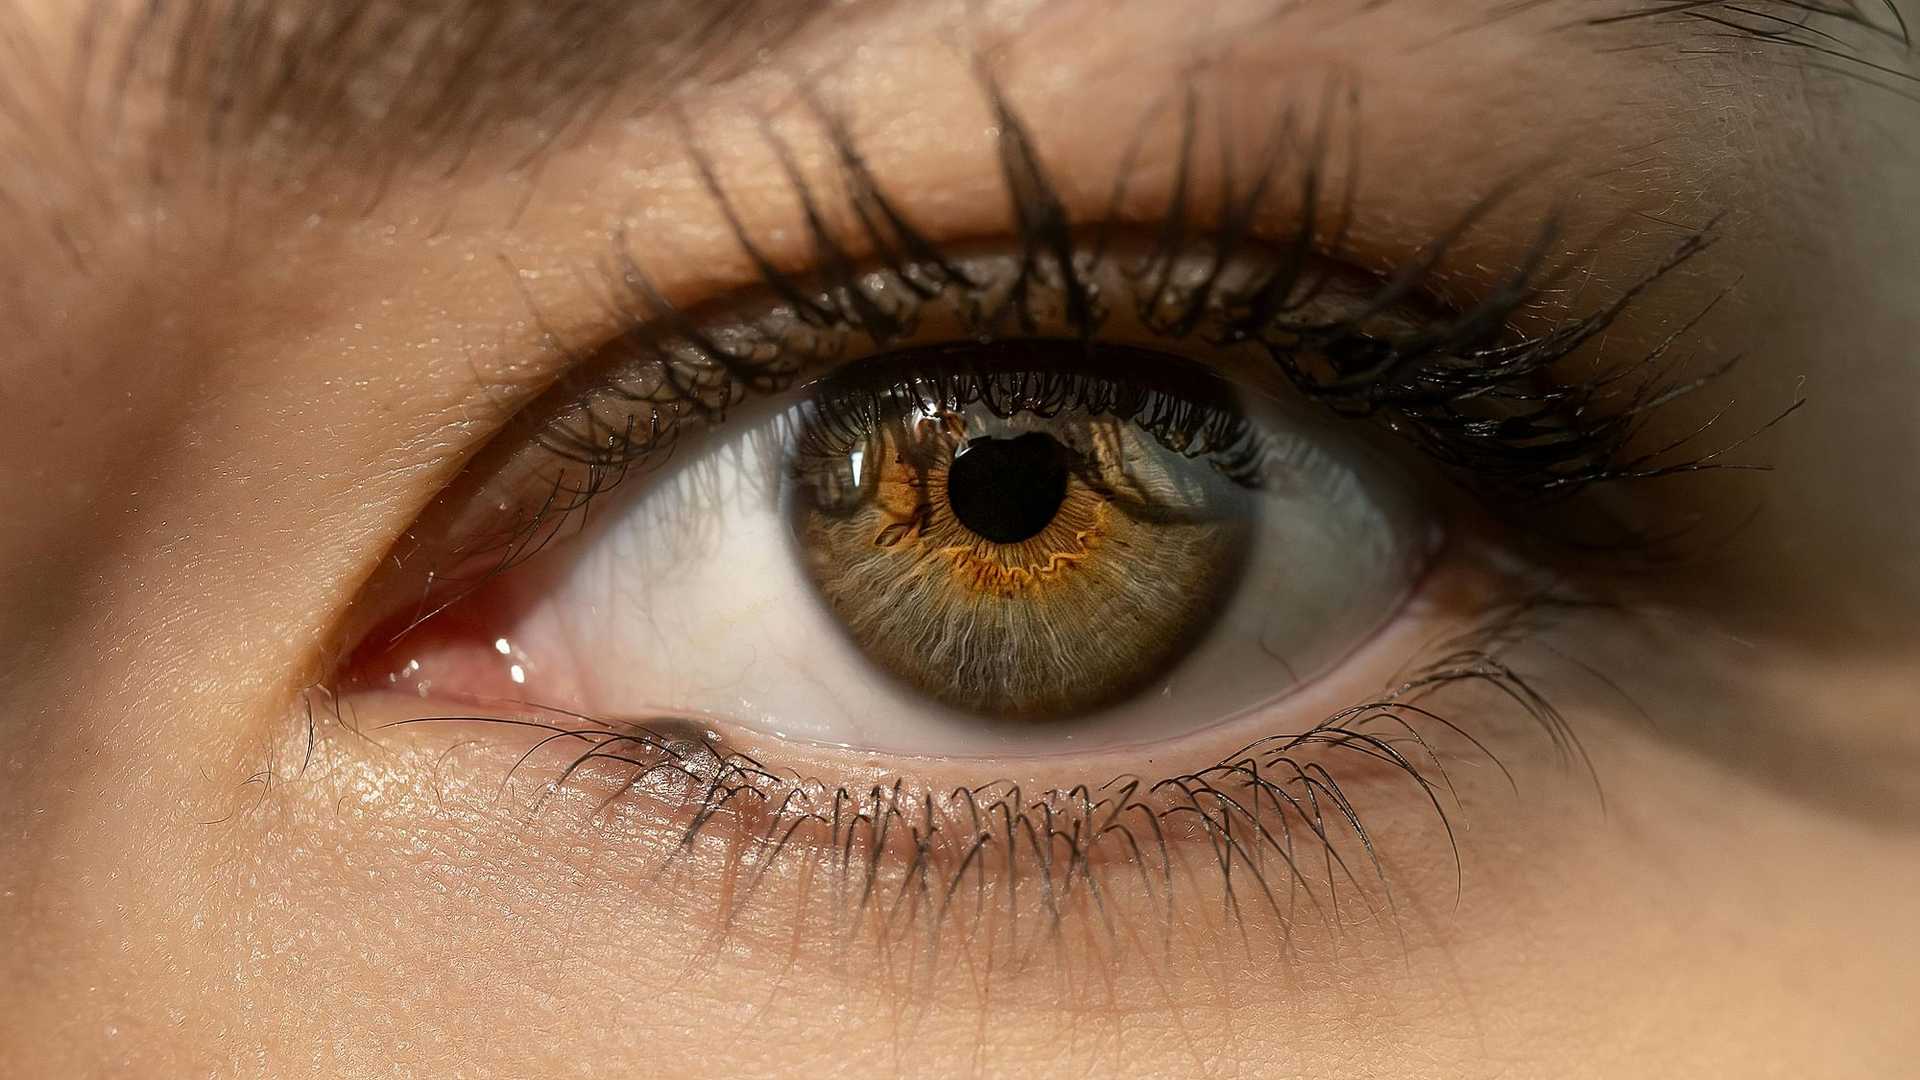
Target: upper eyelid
[
  {"x": 869, "y": 221},
  {"x": 606, "y": 450},
  {"x": 553, "y": 358},
  {"x": 815, "y": 129}
]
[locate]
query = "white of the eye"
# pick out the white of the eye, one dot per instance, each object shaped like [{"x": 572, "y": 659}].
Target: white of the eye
[{"x": 690, "y": 603}]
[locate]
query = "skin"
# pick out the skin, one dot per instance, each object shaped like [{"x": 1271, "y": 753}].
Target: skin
[{"x": 218, "y": 423}]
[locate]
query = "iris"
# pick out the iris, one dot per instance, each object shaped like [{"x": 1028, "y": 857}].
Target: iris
[{"x": 1016, "y": 551}]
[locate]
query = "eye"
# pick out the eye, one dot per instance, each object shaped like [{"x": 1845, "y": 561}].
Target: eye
[
  {"x": 1001, "y": 499},
  {"x": 1035, "y": 531},
  {"x": 948, "y": 549}
]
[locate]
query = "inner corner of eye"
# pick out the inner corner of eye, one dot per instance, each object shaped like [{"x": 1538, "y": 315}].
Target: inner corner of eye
[{"x": 452, "y": 649}]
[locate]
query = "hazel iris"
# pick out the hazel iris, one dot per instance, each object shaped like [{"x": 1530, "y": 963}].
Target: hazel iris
[{"x": 1016, "y": 548}]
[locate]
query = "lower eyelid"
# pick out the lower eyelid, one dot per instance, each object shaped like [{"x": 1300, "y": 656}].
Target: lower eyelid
[{"x": 1305, "y": 825}]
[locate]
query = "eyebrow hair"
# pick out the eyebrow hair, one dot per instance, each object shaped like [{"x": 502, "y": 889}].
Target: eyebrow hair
[
  {"x": 1790, "y": 19},
  {"x": 1835, "y": 36},
  {"x": 379, "y": 84}
]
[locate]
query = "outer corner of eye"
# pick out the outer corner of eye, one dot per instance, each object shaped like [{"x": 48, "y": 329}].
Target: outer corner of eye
[{"x": 1068, "y": 547}]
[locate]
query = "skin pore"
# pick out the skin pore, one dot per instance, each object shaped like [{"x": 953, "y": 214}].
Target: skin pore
[{"x": 273, "y": 283}]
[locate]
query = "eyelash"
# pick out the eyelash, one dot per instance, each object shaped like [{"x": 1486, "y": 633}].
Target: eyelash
[
  {"x": 1469, "y": 392},
  {"x": 1184, "y": 410},
  {"x": 1264, "y": 812}
]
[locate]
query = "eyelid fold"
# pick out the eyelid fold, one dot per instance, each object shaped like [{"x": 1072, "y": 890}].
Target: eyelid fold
[{"x": 658, "y": 382}]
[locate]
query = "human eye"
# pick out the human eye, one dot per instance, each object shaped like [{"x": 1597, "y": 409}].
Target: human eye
[
  {"x": 990, "y": 543},
  {"x": 937, "y": 538},
  {"x": 1182, "y": 513}
]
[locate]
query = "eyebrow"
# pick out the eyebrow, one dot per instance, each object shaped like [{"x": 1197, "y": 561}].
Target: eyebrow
[
  {"x": 381, "y": 84},
  {"x": 1839, "y": 37}
]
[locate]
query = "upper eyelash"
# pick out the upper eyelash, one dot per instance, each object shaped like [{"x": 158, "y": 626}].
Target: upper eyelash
[
  {"x": 1469, "y": 391},
  {"x": 1187, "y": 416}
]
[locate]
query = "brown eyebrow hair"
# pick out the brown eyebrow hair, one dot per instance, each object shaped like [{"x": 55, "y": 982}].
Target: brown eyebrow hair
[
  {"x": 1836, "y": 36},
  {"x": 375, "y": 85},
  {"x": 381, "y": 82}
]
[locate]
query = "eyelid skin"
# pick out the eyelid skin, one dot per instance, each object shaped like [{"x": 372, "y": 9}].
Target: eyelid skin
[
  {"x": 694, "y": 256},
  {"x": 1035, "y": 202},
  {"x": 471, "y": 340},
  {"x": 463, "y": 298},
  {"x": 743, "y": 151}
]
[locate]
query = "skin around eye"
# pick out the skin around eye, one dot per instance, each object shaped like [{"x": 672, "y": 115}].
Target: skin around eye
[
  {"x": 683, "y": 632},
  {"x": 1198, "y": 551},
  {"x": 202, "y": 884}
]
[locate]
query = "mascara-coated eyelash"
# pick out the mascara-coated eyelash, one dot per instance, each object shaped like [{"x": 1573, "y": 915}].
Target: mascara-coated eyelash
[{"x": 1487, "y": 402}]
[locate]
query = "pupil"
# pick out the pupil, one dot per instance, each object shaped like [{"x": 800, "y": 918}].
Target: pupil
[{"x": 1007, "y": 490}]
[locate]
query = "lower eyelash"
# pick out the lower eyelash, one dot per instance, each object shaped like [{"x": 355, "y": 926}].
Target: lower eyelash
[
  {"x": 1283, "y": 836},
  {"x": 1186, "y": 411}
]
